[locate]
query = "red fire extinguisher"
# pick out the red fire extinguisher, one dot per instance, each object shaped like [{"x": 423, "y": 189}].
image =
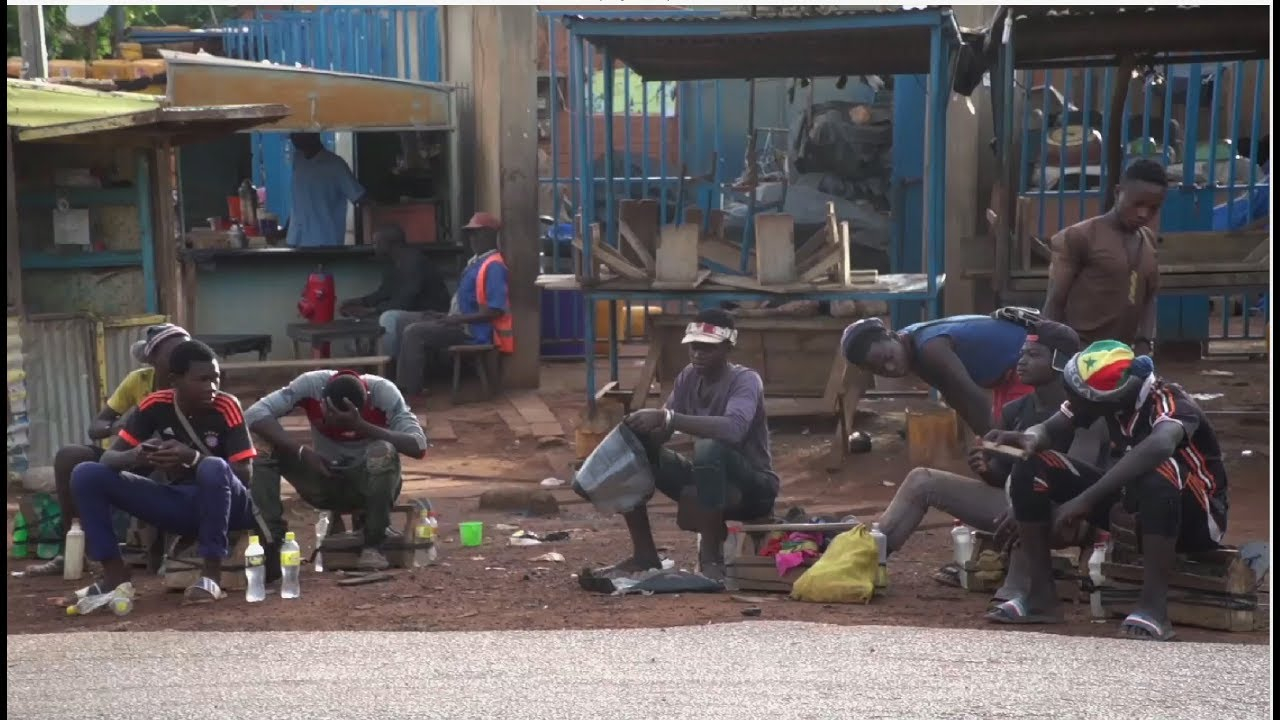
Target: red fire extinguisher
[{"x": 318, "y": 304}]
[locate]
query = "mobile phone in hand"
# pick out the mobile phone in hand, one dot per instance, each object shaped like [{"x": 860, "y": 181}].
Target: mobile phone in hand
[{"x": 150, "y": 446}]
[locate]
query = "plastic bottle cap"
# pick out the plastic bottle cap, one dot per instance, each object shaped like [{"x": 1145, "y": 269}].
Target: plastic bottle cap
[
  {"x": 289, "y": 536},
  {"x": 253, "y": 539}
]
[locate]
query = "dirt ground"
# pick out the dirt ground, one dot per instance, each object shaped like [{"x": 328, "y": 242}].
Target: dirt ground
[{"x": 497, "y": 586}]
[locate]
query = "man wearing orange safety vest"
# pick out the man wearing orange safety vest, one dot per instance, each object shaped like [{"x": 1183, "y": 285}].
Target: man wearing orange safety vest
[{"x": 479, "y": 314}]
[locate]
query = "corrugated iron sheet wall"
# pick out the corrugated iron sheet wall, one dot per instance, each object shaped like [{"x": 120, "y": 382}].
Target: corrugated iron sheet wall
[
  {"x": 19, "y": 424},
  {"x": 62, "y": 393},
  {"x": 119, "y": 360}
]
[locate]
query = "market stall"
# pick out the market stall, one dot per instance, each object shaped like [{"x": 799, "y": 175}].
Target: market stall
[{"x": 250, "y": 284}]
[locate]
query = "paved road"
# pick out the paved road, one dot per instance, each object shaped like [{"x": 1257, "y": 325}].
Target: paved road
[{"x": 745, "y": 670}]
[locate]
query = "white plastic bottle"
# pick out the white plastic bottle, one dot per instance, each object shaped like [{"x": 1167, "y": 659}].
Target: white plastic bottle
[
  {"x": 322, "y": 532},
  {"x": 425, "y": 531},
  {"x": 73, "y": 553},
  {"x": 882, "y": 553},
  {"x": 290, "y": 567},
  {"x": 961, "y": 544},
  {"x": 255, "y": 571},
  {"x": 731, "y": 539},
  {"x": 1096, "y": 578}
]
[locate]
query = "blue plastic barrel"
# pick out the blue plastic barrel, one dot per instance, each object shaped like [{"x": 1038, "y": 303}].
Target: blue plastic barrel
[{"x": 563, "y": 324}]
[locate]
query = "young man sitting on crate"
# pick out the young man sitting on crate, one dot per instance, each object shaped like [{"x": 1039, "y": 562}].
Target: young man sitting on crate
[
  {"x": 153, "y": 353},
  {"x": 194, "y": 435},
  {"x": 1170, "y": 475},
  {"x": 730, "y": 475},
  {"x": 984, "y": 504},
  {"x": 360, "y": 426}
]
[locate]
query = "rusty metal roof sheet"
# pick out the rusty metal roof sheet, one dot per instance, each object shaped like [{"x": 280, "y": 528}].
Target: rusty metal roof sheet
[
  {"x": 784, "y": 43},
  {"x": 1075, "y": 35}
]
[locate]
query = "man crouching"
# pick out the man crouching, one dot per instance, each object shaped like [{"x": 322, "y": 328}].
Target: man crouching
[{"x": 730, "y": 476}]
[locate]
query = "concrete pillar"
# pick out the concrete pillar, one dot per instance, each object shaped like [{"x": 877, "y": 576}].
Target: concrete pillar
[
  {"x": 13, "y": 255},
  {"x": 457, "y": 22},
  {"x": 504, "y": 44}
]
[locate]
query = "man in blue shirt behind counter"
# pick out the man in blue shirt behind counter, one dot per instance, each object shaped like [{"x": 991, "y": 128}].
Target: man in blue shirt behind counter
[
  {"x": 480, "y": 313},
  {"x": 323, "y": 184}
]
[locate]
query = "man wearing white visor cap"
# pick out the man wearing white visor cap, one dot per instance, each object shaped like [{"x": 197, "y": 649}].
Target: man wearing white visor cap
[{"x": 730, "y": 475}]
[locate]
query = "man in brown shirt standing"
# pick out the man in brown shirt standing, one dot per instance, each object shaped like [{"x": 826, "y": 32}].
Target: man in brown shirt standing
[{"x": 1103, "y": 277}]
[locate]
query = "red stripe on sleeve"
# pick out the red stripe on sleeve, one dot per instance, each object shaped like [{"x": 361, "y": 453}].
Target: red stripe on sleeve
[
  {"x": 243, "y": 455},
  {"x": 131, "y": 440}
]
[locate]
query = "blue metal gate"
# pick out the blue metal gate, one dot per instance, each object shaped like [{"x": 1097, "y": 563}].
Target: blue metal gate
[
  {"x": 1203, "y": 121},
  {"x": 399, "y": 42}
]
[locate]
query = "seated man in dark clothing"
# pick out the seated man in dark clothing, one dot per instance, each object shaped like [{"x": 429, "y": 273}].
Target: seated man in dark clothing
[
  {"x": 730, "y": 476},
  {"x": 411, "y": 288},
  {"x": 195, "y": 435},
  {"x": 1170, "y": 475},
  {"x": 983, "y": 503}
]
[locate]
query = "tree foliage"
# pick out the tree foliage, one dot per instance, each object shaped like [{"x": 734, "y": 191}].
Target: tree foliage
[{"x": 64, "y": 41}]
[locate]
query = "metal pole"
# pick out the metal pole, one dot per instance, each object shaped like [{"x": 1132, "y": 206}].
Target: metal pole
[{"x": 35, "y": 58}]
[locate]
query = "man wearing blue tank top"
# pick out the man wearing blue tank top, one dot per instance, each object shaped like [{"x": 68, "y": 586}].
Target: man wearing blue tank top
[{"x": 962, "y": 356}]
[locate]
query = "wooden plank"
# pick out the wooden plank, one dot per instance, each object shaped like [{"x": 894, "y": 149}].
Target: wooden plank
[
  {"x": 1233, "y": 577},
  {"x": 741, "y": 282},
  {"x": 811, "y": 247},
  {"x": 546, "y": 429},
  {"x": 702, "y": 277},
  {"x": 775, "y": 249},
  {"x": 638, "y": 224},
  {"x": 822, "y": 266},
  {"x": 677, "y": 257},
  {"x": 440, "y": 430},
  {"x": 514, "y": 422},
  {"x": 309, "y": 363},
  {"x": 607, "y": 256},
  {"x": 715, "y": 224},
  {"x": 844, "y": 268},
  {"x": 640, "y": 394},
  {"x": 531, "y": 407},
  {"x": 693, "y": 216},
  {"x": 725, "y": 253}
]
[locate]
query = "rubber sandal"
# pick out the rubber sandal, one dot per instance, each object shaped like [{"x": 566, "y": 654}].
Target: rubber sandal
[
  {"x": 45, "y": 569},
  {"x": 948, "y": 575},
  {"x": 204, "y": 590},
  {"x": 1151, "y": 630},
  {"x": 1014, "y": 612}
]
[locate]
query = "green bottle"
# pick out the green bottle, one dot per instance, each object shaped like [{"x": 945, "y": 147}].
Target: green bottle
[{"x": 19, "y": 536}]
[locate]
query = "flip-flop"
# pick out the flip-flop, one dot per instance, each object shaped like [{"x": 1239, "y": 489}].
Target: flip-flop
[
  {"x": 1152, "y": 631},
  {"x": 948, "y": 575},
  {"x": 1014, "y": 612},
  {"x": 204, "y": 590}
]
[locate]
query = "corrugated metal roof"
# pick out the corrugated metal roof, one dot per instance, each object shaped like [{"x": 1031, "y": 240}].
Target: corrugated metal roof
[
  {"x": 35, "y": 104},
  {"x": 1067, "y": 36},
  {"x": 791, "y": 42}
]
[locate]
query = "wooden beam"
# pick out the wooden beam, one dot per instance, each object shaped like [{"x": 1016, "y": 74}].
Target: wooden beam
[
  {"x": 677, "y": 257},
  {"x": 1115, "y": 153},
  {"x": 638, "y": 225},
  {"x": 168, "y": 229},
  {"x": 775, "y": 249},
  {"x": 604, "y": 255},
  {"x": 636, "y": 244}
]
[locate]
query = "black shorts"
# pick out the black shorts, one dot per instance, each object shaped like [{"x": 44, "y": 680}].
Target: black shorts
[{"x": 673, "y": 473}]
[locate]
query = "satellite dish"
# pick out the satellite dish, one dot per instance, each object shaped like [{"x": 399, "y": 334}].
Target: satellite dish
[{"x": 85, "y": 15}]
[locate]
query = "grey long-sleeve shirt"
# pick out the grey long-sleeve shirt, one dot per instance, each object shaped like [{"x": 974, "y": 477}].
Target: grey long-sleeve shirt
[
  {"x": 385, "y": 407},
  {"x": 736, "y": 400}
]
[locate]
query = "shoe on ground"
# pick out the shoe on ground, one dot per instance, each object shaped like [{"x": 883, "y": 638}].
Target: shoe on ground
[{"x": 372, "y": 559}]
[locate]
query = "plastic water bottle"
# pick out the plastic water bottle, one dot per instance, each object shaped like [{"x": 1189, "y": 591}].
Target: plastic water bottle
[
  {"x": 322, "y": 532},
  {"x": 120, "y": 600},
  {"x": 731, "y": 540},
  {"x": 1096, "y": 578},
  {"x": 425, "y": 532},
  {"x": 961, "y": 544},
  {"x": 255, "y": 572},
  {"x": 882, "y": 553},
  {"x": 290, "y": 567},
  {"x": 73, "y": 554}
]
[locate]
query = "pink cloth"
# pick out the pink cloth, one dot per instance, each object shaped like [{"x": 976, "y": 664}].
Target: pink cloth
[{"x": 794, "y": 549}]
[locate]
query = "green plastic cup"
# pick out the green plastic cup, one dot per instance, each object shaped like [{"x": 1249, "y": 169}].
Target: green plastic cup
[{"x": 472, "y": 533}]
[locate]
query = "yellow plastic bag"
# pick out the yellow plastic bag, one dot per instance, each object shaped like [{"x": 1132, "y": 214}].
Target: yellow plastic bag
[{"x": 846, "y": 572}]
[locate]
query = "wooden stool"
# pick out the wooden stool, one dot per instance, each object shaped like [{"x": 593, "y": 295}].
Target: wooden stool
[{"x": 481, "y": 356}]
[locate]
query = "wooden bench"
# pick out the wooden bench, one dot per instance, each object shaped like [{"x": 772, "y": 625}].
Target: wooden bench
[
  {"x": 378, "y": 363},
  {"x": 484, "y": 358}
]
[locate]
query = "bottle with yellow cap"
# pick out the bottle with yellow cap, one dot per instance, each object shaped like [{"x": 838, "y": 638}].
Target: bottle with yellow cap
[
  {"x": 290, "y": 567},
  {"x": 255, "y": 571}
]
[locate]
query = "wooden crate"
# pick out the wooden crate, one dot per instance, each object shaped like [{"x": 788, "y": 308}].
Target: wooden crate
[
  {"x": 1215, "y": 590},
  {"x": 342, "y": 550},
  {"x": 750, "y": 572}
]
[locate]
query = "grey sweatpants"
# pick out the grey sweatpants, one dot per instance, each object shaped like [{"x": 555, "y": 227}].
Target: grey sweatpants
[
  {"x": 970, "y": 501},
  {"x": 419, "y": 342}
]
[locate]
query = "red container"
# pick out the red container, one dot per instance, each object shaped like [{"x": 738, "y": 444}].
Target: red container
[
  {"x": 233, "y": 208},
  {"x": 318, "y": 305}
]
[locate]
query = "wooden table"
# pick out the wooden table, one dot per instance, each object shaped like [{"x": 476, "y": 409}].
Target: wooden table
[
  {"x": 358, "y": 331},
  {"x": 799, "y": 359},
  {"x": 228, "y": 345}
]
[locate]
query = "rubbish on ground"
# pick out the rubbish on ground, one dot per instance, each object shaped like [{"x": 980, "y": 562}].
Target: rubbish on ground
[
  {"x": 859, "y": 442},
  {"x": 1243, "y": 453},
  {"x": 751, "y": 612},
  {"x": 521, "y": 538},
  {"x": 1202, "y": 397},
  {"x": 503, "y": 527},
  {"x": 365, "y": 606},
  {"x": 119, "y": 600},
  {"x": 369, "y": 579},
  {"x": 668, "y": 564},
  {"x": 550, "y": 557},
  {"x": 551, "y": 482},
  {"x": 1217, "y": 373},
  {"x": 649, "y": 582},
  {"x": 753, "y": 599},
  {"x": 887, "y": 483}
]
